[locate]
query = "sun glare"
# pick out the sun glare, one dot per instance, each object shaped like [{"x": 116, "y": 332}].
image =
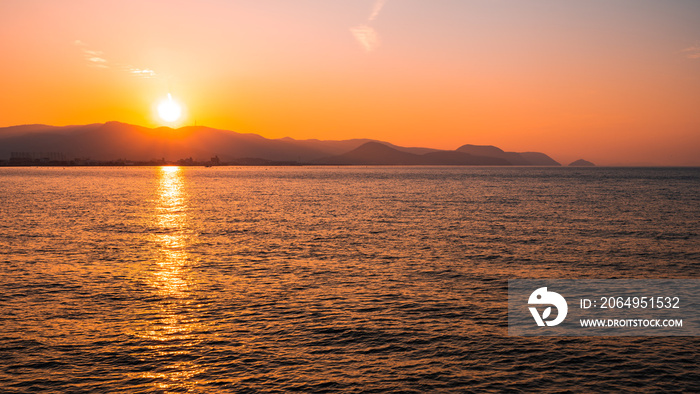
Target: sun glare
[
  {"x": 170, "y": 168},
  {"x": 169, "y": 110}
]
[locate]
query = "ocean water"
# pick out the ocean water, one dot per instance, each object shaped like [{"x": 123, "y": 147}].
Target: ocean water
[{"x": 320, "y": 279}]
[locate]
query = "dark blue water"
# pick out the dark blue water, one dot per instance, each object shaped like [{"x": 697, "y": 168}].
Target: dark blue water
[{"x": 329, "y": 279}]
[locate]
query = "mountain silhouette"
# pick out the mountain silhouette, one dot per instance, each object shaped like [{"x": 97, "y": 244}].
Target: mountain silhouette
[
  {"x": 375, "y": 153},
  {"x": 115, "y": 140},
  {"x": 515, "y": 158},
  {"x": 581, "y": 163}
]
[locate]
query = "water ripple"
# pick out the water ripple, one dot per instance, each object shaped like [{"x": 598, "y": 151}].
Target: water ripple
[{"x": 323, "y": 279}]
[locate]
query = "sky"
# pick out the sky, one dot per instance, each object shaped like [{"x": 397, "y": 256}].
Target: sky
[{"x": 616, "y": 82}]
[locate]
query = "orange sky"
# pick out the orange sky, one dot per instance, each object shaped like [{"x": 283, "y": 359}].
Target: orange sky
[{"x": 614, "y": 82}]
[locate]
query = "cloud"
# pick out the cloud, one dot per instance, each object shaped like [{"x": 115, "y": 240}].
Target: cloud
[
  {"x": 94, "y": 58},
  {"x": 378, "y": 5},
  {"x": 365, "y": 34},
  {"x": 692, "y": 52},
  {"x": 97, "y": 59},
  {"x": 144, "y": 73}
]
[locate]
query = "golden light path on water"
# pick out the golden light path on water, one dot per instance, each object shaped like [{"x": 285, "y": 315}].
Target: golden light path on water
[
  {"x": 171, "y": 221},
  {"x": 174, "y": 328}
]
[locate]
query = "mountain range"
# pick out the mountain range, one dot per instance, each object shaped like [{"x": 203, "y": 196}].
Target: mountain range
[{"x": 113, "y": 141}]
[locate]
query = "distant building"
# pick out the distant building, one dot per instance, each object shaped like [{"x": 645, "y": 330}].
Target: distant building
[{"x": 37, "y": 157}]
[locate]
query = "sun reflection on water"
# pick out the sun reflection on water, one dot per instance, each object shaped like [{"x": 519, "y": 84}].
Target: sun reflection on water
[
  {"x": 172, "y": 328},
  {"x": 171, "y": 237}
]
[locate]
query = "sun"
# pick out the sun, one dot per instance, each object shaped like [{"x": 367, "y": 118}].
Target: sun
[{"x": 169, "y": 110}]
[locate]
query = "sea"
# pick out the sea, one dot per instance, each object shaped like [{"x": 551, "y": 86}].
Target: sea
[{"x": 330, "y": 279}]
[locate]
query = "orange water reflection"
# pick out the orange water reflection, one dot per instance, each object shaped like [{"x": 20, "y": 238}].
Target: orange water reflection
[
  {"x": 171, "y": 237},
  {"x": 173, "y": 327}
]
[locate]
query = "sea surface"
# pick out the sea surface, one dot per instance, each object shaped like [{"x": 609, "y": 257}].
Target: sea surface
[{"x": 324, "y": 279}]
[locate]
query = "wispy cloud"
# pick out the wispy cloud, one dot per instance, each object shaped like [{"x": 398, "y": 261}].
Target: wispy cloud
[
  {"x": 139, "y": 72},
  {"x": 97, "y": 59},
  {"x": 94, "y": 58},
  {"x": 365, "y": 34},
  {"x": 692, "y": 52},
  {"x": 376, "y": 8}
]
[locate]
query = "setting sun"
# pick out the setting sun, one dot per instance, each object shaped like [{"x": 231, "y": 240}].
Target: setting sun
[{"x": 169, "y": 110}]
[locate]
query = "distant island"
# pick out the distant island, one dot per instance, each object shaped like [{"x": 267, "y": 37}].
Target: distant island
[
  {"x": 581, "y": 163},
  {"x": 116, "y": 143}
]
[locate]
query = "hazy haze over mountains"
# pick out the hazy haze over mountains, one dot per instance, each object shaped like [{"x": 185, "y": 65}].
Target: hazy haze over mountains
[{"x": 115, "y": 141}]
